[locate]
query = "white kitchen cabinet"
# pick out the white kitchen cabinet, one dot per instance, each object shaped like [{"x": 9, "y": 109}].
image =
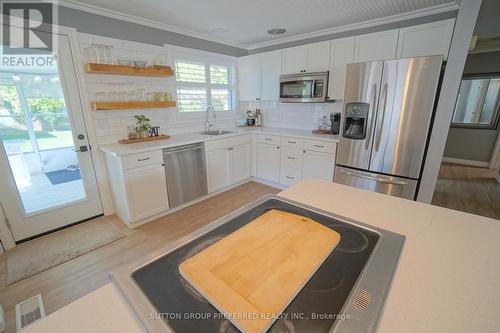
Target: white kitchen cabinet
[
  {"x": 341, "y": 54},
  {"x": 249, "y": 78},
  {"x": 306, "y": 58},
  {"x": 318, "y": 165},
  {"x": 270, "y": 75},
  {"x": 146, "y": 191},
  {"x": 426, "y": 39},
  {"x": 376, "y": 46},
  {"x": 217, "y": 169},
  {"x": 239, "y": 161},
  {"x": 268, "y": 162}
]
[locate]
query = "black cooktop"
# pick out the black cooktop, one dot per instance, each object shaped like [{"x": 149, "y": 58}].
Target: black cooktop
[{"x": 314, "y": 308}]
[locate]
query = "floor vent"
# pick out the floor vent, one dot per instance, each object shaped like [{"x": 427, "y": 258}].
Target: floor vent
[
  {"x": 29, "y": 311},
  {"x": 362, "y": 299}
]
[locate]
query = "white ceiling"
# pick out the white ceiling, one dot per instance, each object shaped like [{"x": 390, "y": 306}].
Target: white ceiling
[{"x": 248, "y": 21}]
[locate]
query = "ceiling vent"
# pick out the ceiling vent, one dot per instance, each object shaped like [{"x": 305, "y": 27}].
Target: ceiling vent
[{"x": 29, "y": 311}]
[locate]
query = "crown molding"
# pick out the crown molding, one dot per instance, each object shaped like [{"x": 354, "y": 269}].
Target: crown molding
[
  {"x": 74, "y": 4},
  {"x": 146, "y": 22},
  {"x": 366, "y": 24}
]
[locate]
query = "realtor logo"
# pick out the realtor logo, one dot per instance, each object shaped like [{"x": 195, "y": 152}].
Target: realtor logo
[{"x": 27, "y": 26}]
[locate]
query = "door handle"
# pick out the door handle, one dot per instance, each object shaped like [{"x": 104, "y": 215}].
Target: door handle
[
  {"x": 380, "y": 122},
  {"x": 377, "y": 179},
  {"x": 82, "y": 149},
  {"x": 369, "y": 126}
]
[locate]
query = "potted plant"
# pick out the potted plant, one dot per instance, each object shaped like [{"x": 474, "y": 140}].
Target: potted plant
[{"x": 142, "y": 126}]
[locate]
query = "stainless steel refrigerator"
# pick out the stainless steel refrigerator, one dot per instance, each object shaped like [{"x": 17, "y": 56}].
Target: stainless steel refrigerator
[{"x": 388, "y": 108}]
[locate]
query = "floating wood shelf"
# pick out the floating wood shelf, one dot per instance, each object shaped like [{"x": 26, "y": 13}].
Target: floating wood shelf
[
  {"x": 132, "y": 105},
  {"x": 149, "y": 138},
  {"x": 128, "y": 70}
]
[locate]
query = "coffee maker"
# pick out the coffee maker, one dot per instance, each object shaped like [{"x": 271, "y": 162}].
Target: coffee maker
[
  {"x": 356, "y": 114},
  {"x": 334, "y": 123}
]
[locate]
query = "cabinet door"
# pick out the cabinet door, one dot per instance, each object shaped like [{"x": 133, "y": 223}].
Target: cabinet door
[
  {"x": 217, "y": 169},
  {"x": 341, "y": 54},
  {"x": 249, "y": 76},
  {"x": 318, "y": 57},
  {"x": 268, "y": 162},
  {"x": 240, "y": 163},
  {"x": 294, "y": 60},
  {"x": 318, "y": 165},
  {"x": 376, "y": 46},
  {"x": 426, "y": 39},
  {"x": 271, "y": 70},
  {"x": 146, "y": 191}
]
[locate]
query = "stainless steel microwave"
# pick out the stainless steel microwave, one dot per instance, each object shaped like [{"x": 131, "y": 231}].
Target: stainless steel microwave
[{"x": 304, "y": 88}]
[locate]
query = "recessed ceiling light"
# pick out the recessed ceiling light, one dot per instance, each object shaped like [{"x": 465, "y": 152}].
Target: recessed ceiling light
[
  {"x": 276, "y": 31},
  {"x": 219, "y": 30}
]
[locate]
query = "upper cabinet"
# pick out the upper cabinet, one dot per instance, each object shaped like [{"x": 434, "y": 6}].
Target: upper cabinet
[
  {"x": 270, "y": 75},
  {"x": 426, "y": 39},
  {"x": 376, "y": 46},
  {"x": 306, "y": 58},
  {"x": 341, "y": 54},
  {"x": 249, "y": 77},
  {"x": 259, "y": 76}
]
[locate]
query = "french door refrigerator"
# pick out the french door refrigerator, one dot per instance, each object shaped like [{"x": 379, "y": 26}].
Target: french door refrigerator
[{"x": 388, "y": 108}]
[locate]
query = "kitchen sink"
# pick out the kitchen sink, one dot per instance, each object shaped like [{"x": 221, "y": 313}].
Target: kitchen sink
[{"x": 216, "y": 132}]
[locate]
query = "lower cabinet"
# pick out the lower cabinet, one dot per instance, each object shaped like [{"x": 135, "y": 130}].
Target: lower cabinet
[
  {"x": 318, "y": 165},
  {"x": 146, "y": 191},
  {"x": 228, "y": 162},
  {"x": 217, "y": 169},
  {"x": 268, "y": 162}
]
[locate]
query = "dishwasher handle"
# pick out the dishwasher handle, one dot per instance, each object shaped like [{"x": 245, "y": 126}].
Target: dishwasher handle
[{"x": 169, "y": 151}]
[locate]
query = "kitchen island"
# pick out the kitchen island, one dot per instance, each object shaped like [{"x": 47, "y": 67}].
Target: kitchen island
[{"x": 446, "y": 280}]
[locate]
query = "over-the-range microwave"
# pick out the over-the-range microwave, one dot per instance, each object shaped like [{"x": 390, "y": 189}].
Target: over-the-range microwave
[{"x": 304, "y": 88}]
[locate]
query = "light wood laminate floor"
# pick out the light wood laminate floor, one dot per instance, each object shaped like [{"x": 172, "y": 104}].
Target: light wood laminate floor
[
  {"x": 66, "y": 283},
  {"x": 468, "y": 189}
]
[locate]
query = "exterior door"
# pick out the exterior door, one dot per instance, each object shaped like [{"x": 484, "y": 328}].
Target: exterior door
[
  {"x": 362, "y": 85},
  {"x": 407, "y": 97},
  {"x": 48, "y": 178}
]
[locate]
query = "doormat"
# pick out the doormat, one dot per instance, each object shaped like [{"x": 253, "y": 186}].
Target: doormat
[
  {"x": 63, "y": 176},
  {"x": 43, "y": 253}
]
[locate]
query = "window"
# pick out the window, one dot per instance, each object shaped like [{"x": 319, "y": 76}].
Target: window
[
  {"x": 200, "y": 83},
  {"x": 478, "y": 103}
]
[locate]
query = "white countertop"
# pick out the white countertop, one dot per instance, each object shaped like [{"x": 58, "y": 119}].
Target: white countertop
[
  {"x": 447, "y": 280},
  {"x": 118, "y": 149}
]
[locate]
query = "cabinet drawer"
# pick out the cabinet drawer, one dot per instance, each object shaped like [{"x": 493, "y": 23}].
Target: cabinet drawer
[
  {"x": 291, "y": 142},
  {"x": 291, "y": 158},
  {"x": 321, "y": 146},
  {"x": 290, "y": 176},
  {"x": 269, "y": 139},
  {"x": 142, "y": 159},
  {"x": 226, "y": 143}
]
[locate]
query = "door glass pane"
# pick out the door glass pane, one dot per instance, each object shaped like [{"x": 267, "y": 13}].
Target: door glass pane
[
  {"x": 478, "y": 103},
  {"x": 296, "y": 89},
  {"x": 36, "y": 133}
]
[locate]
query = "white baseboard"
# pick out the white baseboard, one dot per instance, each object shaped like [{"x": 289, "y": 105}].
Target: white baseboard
[{"x": 481, "y": 164}]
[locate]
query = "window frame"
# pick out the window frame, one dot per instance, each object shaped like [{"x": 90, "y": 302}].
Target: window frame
[
  {"x": 493, "y": 125},
  {"x": 208, "y": 59}
]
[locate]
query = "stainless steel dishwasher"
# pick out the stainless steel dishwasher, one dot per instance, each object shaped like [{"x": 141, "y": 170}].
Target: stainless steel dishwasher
[{"x": 186, "y": 173}]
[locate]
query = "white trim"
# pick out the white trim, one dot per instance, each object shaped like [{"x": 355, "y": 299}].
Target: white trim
[
  {"x": 362, "y": 25},
  {"x": 146, "y": 22},
  {"x": 495, "y": 156},
  {"x": 460, "y": 42},
  {"x": 481, "y": 164},
  {"x": 191, "y": 33}
]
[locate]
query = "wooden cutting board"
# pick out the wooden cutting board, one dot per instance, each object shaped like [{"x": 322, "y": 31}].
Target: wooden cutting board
[{"x": 254, "y": 273}]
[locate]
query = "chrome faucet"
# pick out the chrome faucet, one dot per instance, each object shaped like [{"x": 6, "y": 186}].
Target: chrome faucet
[{"x": 209, "y": 124}]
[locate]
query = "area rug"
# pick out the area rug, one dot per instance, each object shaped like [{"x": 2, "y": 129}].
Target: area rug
[
  {"x": 63, "y": 176},
  {"x": 57, "y": 248}
]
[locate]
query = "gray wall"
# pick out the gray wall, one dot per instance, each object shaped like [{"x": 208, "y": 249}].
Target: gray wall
[
  {"x": 474, "y": 144},
  {"x": 110, "y": 27}
]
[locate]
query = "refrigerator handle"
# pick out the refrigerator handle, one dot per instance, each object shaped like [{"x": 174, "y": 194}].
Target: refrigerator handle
[
  {"x": 377, "y": 179},
  {"x": 380, "y": 123},
  {"x": 369, "y": 126}
]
